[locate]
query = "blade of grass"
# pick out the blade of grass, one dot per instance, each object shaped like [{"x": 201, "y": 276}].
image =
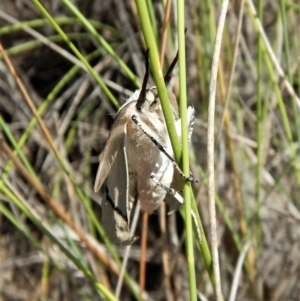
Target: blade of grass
[
  {"x": 269, "y": 59},
  {"x": 26, "y": 46},
  {"x": 77, "y": 53},
  {"x": 18, "y": 150},
  {"x": 185, "y": 150},
  {"x": 150, "y": 8},
  {"x": 259, "y": 136},
  {"x": 164, "y": 32},
  {"x": 46, "y": 41},
  {"x": 158, "y": 77},
  {"x": 286, "y": 52},
  {"x": 267, "y": 47},
  {"x": 59, "y": 211},
  {"x": 210, "y": 149},
  {"x": 57, "y": 208},
  {"x": 79, "y": 192},
  {"x": 60, "y": 20},
  {"x": 88, "y": 25},
  {"x": 41, "y": 225}
]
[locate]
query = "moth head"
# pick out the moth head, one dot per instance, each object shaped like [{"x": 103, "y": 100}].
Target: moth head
[
  {"x": 151, "y": 102},
  {"x": 149, "y": 97}
]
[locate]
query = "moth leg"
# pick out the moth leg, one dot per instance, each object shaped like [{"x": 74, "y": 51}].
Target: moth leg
[
  {"x": 179, "y": 198},
  {"x": 169, "y": 190},
  {"x": 161, "y": 148},
  {"x": 168, "y": 76}
]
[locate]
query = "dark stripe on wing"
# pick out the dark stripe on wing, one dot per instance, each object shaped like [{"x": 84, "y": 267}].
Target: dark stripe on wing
[{"x": 113, "y": 205}]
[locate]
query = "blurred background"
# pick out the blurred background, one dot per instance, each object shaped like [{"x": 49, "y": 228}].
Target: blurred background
[{"x": 257, "y": 137}]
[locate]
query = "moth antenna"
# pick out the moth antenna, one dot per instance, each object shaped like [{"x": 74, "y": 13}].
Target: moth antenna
[
  {"x": 168, "y": 75},
  {"x": 142, "y": 96}
]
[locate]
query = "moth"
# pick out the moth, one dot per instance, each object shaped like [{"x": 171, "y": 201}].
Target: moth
[{"x": 137, "y": 160}]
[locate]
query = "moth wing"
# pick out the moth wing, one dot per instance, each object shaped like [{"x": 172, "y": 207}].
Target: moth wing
[
  {"x": 190, "y": 114},
  {"x": 190, "y": 120},
  {"x": 115, "y": 208},
  {"x": 110, "y": 151}
]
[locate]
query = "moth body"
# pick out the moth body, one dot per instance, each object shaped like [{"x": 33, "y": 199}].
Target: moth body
[
  {"x": 144, "y": 157},
  {"x": 130, "y": 180},
  {"x": 131, "y": 159}
]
